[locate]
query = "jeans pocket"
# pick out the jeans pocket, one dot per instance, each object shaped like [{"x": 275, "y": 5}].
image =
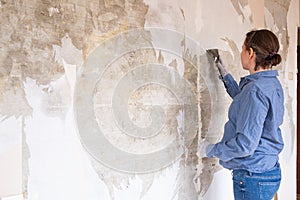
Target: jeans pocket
[{"x": 267, "y": 190}]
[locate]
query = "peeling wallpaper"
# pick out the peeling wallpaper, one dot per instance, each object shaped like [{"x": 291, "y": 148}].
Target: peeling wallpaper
[{"x": 112, "y": 97}]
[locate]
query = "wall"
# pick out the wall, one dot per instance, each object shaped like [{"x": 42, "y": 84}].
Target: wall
[{"x": 110, "y": 99}]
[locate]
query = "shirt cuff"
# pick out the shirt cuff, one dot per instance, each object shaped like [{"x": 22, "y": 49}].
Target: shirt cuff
[{"x": 208, "y": 150}]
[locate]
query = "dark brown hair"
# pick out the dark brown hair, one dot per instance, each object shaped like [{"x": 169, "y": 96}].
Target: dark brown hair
[{"x": 265, "y": 45}]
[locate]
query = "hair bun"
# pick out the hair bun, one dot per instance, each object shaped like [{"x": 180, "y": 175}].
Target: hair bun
[{"x": 275, "y": 59}]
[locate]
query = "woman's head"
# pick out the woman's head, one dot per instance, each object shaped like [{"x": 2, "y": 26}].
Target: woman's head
[{"x": 265, "y": 45}]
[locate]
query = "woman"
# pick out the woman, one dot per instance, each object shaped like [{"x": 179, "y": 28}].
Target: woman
[{"x": 252, "y": 138}]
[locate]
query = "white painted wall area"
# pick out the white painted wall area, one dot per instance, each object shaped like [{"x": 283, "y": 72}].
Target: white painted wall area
[
  {"x": 10, "y": 157},
  {"x": 60, "y": 123}
]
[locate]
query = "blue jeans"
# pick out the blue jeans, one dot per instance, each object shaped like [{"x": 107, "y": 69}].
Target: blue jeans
[{"x": 256, "y": 186}]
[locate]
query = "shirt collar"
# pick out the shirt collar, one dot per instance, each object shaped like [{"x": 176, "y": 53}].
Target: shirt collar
[{"x": 257, "y": 75}]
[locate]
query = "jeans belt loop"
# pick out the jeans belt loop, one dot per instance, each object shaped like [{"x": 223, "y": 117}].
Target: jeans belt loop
[{"x": 250, "y": 173}]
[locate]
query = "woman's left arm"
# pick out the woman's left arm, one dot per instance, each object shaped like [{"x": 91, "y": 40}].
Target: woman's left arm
[{"x": 253, "y": 110}]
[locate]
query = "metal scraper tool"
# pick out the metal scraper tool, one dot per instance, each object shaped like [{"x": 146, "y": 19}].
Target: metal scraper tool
[{"x": 214, "y": 54}]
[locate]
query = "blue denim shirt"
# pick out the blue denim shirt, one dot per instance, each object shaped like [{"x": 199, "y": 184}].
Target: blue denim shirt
[{"x": 252, "y": 138}]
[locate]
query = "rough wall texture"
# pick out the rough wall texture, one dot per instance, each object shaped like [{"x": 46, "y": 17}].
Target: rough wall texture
[{"x": 113, "y": 108}]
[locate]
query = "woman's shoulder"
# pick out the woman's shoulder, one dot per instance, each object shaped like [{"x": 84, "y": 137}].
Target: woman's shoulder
[{"x": 265, "y": 86}]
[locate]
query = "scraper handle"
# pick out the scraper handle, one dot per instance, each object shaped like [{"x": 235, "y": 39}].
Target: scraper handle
[{"x": 214, "y": 55}]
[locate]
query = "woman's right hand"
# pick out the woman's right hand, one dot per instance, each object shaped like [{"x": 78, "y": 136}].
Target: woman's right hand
[{"x": 214, "y": 55}]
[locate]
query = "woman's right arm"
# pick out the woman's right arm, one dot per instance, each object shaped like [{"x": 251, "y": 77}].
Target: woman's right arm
[{"x": 231, "y": 85}]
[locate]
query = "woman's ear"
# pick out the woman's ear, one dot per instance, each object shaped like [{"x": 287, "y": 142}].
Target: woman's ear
[{"x": 251, "y": 52}]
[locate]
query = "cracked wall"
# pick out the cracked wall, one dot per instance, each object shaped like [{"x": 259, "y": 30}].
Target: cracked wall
[{"x": 111, "y": 98}]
